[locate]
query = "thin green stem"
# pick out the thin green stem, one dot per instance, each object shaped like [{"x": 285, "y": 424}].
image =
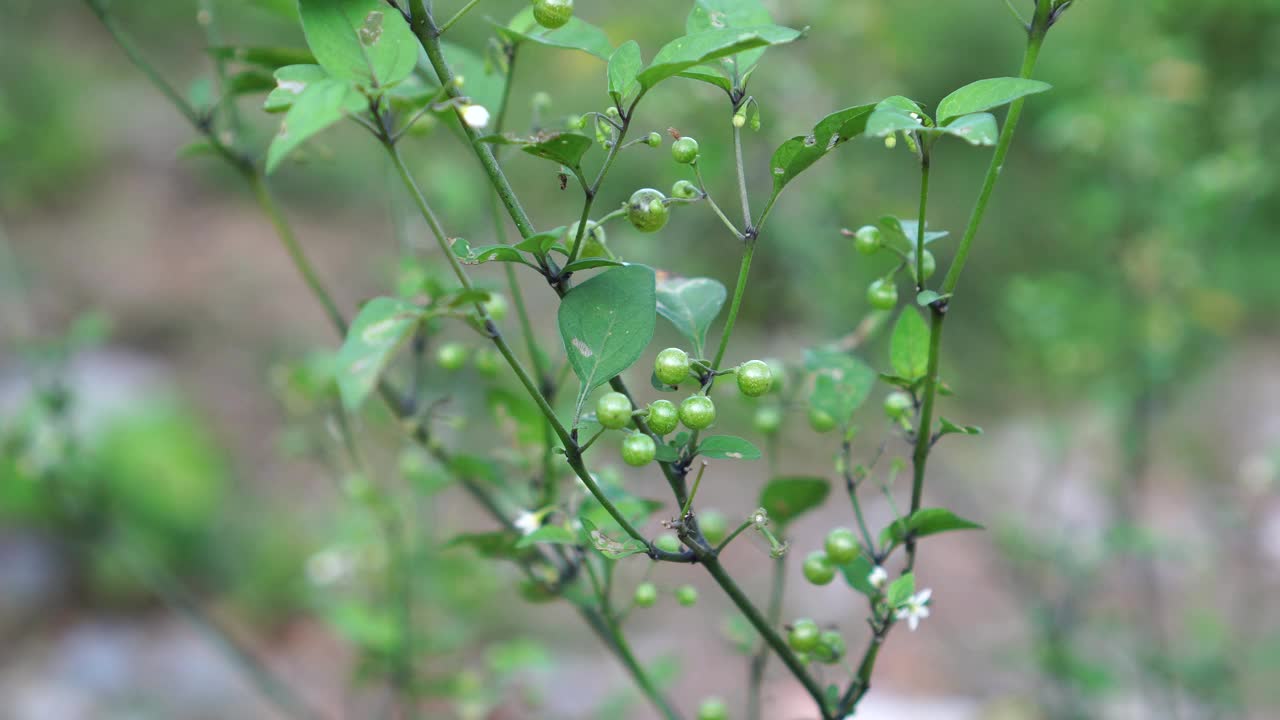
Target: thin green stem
[
  {"x": 739, "y": 290},
  {"x": 925, "y": 163},
  {"x": 458, "y": 16},
  {"x": 924, "y": 429},
  {"x": 743, "y": 195},
  {"x": 706, "y": 194},
  {"x": 733, "y": 536}
]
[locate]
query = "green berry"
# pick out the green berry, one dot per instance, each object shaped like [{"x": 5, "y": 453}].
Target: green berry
[
  {"x": 768, "y": 419},
  {"x": 452, "y": 356},
  {"x": 647, "y": 211},
  {"x": 685, "y": 150},
  {"x": 713, "y": 709},
  {"x": 897, "y": 404},
  {"x": 697, "y": 412},
  {"x": 821, "y": 420},
  {"x": 663, "y": 416},
  {"x": 841, "y": 546},
  {"x": 654, "y": 140},
  {"x": 646, "y": 594},
  {"x": 668, "y": 542},
  {"x": 868, "y": 240},
  {"x": 883, "y": 294},
  {"x": 552, "y": 14},
  {"x": 496, "y": 307},
  {"x": 593, "y": 241},
  {"x": 612, "y": 113},
  {"x": 830, "y": 647},
  {"x": 754, "y": 378},
  {"x": 687, "y": 595},
  {"x": 713, "y": 525},
  {"x": 487, "y": 362},
  {"x": 804, "y": 635},
  {"x": 930, "y": 264},
  {"x": 685, "y": 190},
  {"x": 638, "y": 450},
  {"x": 613, "y": 410},
  {"x": 818, "y": 568},
  {"x": 672, "y": 366}
]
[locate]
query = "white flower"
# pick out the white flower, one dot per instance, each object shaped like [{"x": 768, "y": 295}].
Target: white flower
[
  {"x": 877, "y": 577},
  {"x": 915, "y": 609},
  {"x": 475, "y": 116},
  {"x": 526, "y": 522}
]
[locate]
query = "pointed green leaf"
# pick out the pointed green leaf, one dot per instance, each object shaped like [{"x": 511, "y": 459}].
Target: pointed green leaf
[
  {"x": 691, "y": 304},
  {"x": 606, "y": 323},
  {"x": 986, "y": 95},
  {"x": 590, "y": 263},
  {"x": 799, "y": 153},
  {"x": 842, "y": 382},
  {"x": 950, "y": 428},
  {"x": 786, "y": 498},
  {"x": 858, "y": 575},
  {"x": 267, "y": 58},
  {"x": 976, "y": 129},
  {"x": 564, "y": 148},
  {"x": 925, "y": 522},
  {"x": 291, "y": 81},
  {"x": 707, "y": 74},
  {"x": 380, "y": 328},
  {"x": 728, "y": 447},
  {"x": 575, "y": 35},
  {"x": 900, "y": 590},
  {"x": 551, "y": 534},
  {"x": 624, "y": 65},
  {"x": 364, "y": 41},
  {"x": 320, "y": 105},
  {"x": 701, "y": 48},
  {"x": 903, "y": 233},
  {"x": 909, "y": 347}
]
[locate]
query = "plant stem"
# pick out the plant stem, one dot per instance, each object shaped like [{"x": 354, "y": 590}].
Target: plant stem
[
  {"x": 755, "y": 678},
  {"x": 925, "y": 163},
  {"x": 924, "y": 430},
  {"x": 739, "y": 290},
  {"x": 458, "y": 16}
]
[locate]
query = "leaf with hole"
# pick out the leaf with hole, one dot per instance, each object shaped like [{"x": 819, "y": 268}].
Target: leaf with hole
[
  {"x": 607, "y": 546},
  {"x": 606, "y": 323},
  {"x": 323, "y": 103},
  {"x": 842, "y": 382},
  {"x": 364, "y": 41},
  {"x": 727, "y": 447},
  {"x": 720, "y": 14},
  {"x": 801, "y": 152}
]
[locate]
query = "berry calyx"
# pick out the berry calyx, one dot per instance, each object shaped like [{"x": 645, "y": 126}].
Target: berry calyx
[
  {"x": 613, "y": 410},
  {"x": 768, "y": 419},
  {"x": 553, "y": 14},
  {"x": 697, "y": 412},
  {"x": 685, "y": 190},
  {"x": 452, "y": 356},
  {"x": 841, "y": 546},
  {"x": 638, "y": 450},
  {"x": 754, "y": 378},
  {"x": 883, "y": 294},
  {"x": 647, "y": 211},
  {"x": 713, "y": 525},
  {"x": 713, "y": 709},
  {"x": 685, "y": 151},
  {"x": 818, "y": 568},
  {"x": 646, "y": 595},
  {"x": 671, "y": 366},
  {"x": 663, "y": 416},
  {"x": 687, "y": 595},
  {"x": 804, "y": 635},
  {"x": 868, "y": 240},
  {"x": 897, "y": 404},
  {"x": 930, "y": 265},
  {"x": 821, "y": 421}
]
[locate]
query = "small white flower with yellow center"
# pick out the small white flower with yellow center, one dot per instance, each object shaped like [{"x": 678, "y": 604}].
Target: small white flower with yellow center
[
  {"x": 475, "y": 116},
  {"x": 878, "y": 577},
  {"x": 915, "y": 609},
  {"x": 527, "y": 522}
]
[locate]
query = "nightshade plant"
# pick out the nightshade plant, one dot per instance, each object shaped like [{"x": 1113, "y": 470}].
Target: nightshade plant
[{"x": 389, "y": 67}]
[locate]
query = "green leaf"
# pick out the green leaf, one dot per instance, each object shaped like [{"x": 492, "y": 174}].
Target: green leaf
[
  {"x": 691, "y": 304},
  {"x": 489, "y": 253},
  {"x": 895, "y": 114},
  {"x": 590, "y": 263},
  {"x": 799, "y": 153},
  {"x": 903, "y": 233},
  {"x": 291, "y": 81},
  {"x": 494, "y": 545},
  {"x": 321, "y": 104},
  {"x": 698, "y": 49},
  {"x": 624, "y": 65},
  {"x": 575, "y": 35},
  {"x": 842, "y": 382},
  {"x": 607, "y": 546},
  {"x": 267, "y": 58},
  {"x": 977, "y": 129},
  {"x": 564, "y": 148},
  {"x": 381, "y": 326},
  {"x": 900, "y": 590},
  {"x": 925, "y": 522},
  {"x": 857, "y": 575},
  {"x": 786, "y": 498},
  {"x": 606, "y": 323},
  {"x": 541, "y": 243},
  {"x": 909, "y": 346},
  {"x": 950, "y": 428},
  {"x": 928, "y": 297},
  {"x": 250, "y": 82},
  {"x": 719, "y": 14},
  {"x": 483, "y": 81},
  {"x": 708, "y": 75},
  {"x": 552, "y": 534},
  {"x": 728, "y": 447},
  {"x": 667, "y": 453},
  {"x": 986, "y": 95},
  {"x": 364, "y": 41}
]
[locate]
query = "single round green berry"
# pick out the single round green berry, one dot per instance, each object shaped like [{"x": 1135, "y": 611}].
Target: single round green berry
[
  {"x": 685, "y": 190},
  {"x": 754, "y": 378},
  {"x": 684, "y": 150},
  {"x": 830, "y": 647},
  {"x": 654, "y": 140},
  {"x": 452, "y": 356},
  {"x": 496, "y": 307},
  {"x": 594, "y": 240},
  {"x": 821, "y": 421},
  {"x": 897, "y": 404},
  {"x": 868, "y": 240},
  {"x": 713, "y": 709},
  {"x": 818, "y": 568},
  {"x": 697, "y": 412},
  {"x": 487, "y": 362},
  {"x": 646, "y": 594},
  {"x": 804, "y": 635},
  {"x": 553, "y": 14},
  {"x": 638, "y": 450},
  {"x": 672, "y": 366},
  {"x": 687, "y": 595},
  {"x": 883, "y": 294},
  {"x": 930, "y": 264},
  {"x": 647, "y": 210},
  {"x": 663, "y": 416},
  {"x": 613, "y": 410},
  {"x": 768, "y": 419},
  {"x": 841, "y": 546},
  {"x": 668, "y": 542},
  {"x": 713, "y": 525}
]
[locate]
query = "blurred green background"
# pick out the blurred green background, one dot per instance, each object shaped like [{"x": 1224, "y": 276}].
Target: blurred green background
[{"x": 1115, "y": 335}]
